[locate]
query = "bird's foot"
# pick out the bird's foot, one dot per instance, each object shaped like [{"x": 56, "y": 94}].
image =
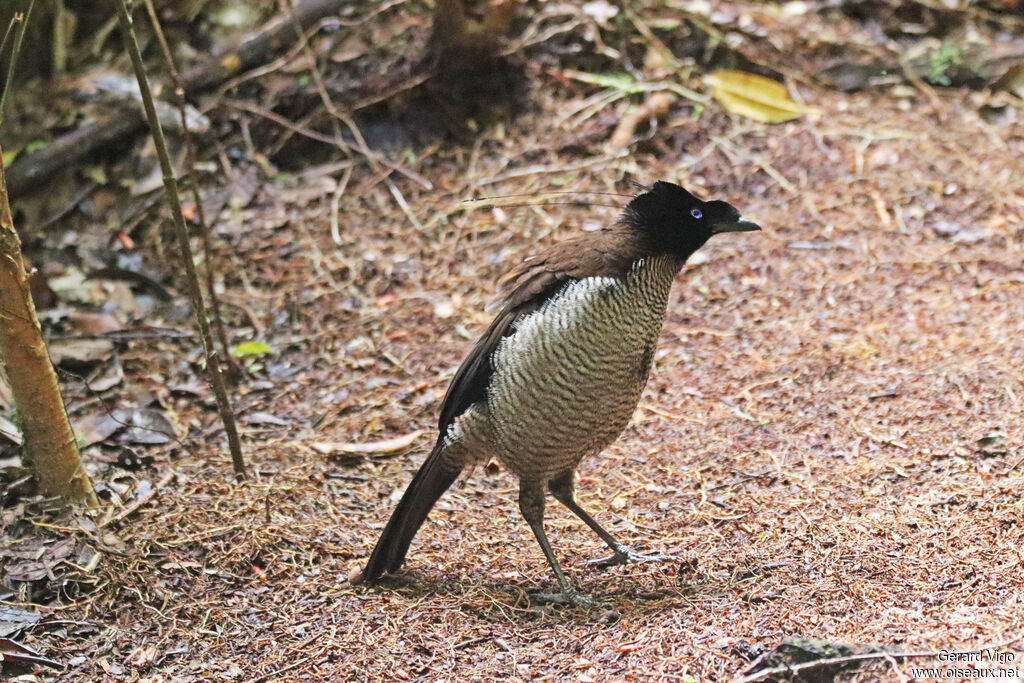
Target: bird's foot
[
  {"x": 627, "y": 556},
  {"x": 565, "y": 597}
]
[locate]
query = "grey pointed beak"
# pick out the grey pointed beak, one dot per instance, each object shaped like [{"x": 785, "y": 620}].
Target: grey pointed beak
[{"x": 739, "y": 225}]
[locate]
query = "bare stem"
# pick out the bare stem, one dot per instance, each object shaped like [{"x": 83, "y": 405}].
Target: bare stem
[
  {"x": 170, "y": 183},
  {"x": 15, "y": 51},
  {"x": 190, "y": 163}
]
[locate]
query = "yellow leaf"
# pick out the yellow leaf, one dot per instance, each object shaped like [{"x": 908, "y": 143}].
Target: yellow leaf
[
  {"x": 753, "y": 96},
  {"x": 9, "y": 155}
]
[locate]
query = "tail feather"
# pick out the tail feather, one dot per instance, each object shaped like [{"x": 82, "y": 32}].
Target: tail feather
[{"x": 438, "y": 473}]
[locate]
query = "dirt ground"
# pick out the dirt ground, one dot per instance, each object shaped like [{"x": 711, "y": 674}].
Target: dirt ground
[{"x": 830, "y": 442}]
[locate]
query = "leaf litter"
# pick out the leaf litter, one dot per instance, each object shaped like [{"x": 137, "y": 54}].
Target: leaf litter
[{"x": 830, "y": 441}]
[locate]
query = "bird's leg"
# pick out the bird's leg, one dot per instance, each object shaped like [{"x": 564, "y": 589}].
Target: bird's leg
[
  {"x": 563, "y": 489},
  {"x": 531, "y": 504}
]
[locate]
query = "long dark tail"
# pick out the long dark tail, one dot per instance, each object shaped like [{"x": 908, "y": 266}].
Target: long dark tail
[{"x": 435, "y": 476}]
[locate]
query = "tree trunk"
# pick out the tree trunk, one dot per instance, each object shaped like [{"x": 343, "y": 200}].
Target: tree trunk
[{"x": 50, "y": 448}]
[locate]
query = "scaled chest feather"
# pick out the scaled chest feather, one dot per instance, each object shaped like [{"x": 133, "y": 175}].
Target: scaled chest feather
[{"x": 568, "y": 378}]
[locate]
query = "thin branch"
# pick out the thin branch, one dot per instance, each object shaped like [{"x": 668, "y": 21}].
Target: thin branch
[
  {"x": 15, "y": 51},
  {"x": 349, "y": 122},
  {"x": 141, "y": 500},
  {"x": 190, "y": 163},
  {"x": 171, "y": 185},
  {"x": 793, "y": 670},
  {"x": 320, "y": 137}
]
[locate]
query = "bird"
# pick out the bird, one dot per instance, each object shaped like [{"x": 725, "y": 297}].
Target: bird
[{"x": 559, "y": 372}]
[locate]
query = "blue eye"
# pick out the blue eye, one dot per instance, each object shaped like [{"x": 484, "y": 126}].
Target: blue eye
[{"x": 696, "y": 214}]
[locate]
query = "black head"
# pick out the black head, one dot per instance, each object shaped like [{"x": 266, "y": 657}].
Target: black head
[{"x": 676, "y": 222}]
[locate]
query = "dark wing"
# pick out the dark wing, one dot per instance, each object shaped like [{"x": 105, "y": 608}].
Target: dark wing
[{"x": 525, "y": 289}]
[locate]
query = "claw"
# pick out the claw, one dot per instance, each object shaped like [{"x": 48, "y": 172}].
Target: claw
[
  {"x": 564, "y": 598},
  {"x": 627, "y": 556}
]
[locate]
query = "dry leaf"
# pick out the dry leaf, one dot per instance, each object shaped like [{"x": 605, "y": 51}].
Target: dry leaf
[
  {"x": 376, "y": 448},
  {"x": 17, "y": 654},
  {"x": 80, "y": 351},
  {"x": 1012, "y": 81},
  {"x": 655, "y": 106},
  {"x": 753, "y": 96},
  {"x": 14, "y": 619}
]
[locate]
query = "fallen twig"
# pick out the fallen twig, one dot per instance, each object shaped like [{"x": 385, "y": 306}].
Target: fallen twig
[
  {"x": 141, "y": 500},
  {"x": 793, "y": 670},
  {"x": 27, "y": 172}
]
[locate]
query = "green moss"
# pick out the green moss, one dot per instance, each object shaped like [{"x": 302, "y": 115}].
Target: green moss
[{"x": 941, "y": 61}]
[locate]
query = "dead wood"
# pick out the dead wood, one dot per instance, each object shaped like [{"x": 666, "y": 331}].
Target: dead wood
[{"x": 32, "y": 171}]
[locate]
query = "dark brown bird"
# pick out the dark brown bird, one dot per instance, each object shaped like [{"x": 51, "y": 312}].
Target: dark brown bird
[{"x": 558, "y": 374}]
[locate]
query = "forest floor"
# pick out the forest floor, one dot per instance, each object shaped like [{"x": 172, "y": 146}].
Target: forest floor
[{"x": 831, "y": 442}]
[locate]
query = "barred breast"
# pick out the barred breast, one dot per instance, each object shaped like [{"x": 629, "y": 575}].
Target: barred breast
[{"x": 567, "y": 381}]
